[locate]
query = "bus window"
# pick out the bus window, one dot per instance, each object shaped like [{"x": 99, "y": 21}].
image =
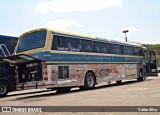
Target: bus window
[
  {"x": 62, "y": 43},
  {"x": 31, "y": 41},
  {"x": 78, "y": 44},
  {"x": 86, "y": 46},
  {"x": 67, "y": 43},
  {"x": 122, "y": 49},
  {"x": 101, "y": 47},
  {"x": 137, "y": 51},
  {"x": 56, "y": 42},
  {"x": 115, "y": 49},
  {"x": 128, "y": 50},
  {"x": 10, "y": 42}
]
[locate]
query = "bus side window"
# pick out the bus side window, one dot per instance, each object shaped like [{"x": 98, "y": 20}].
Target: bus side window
[
  {"x": 59, "y": 41},
  {"x": 67, "y": 42},
  {"x": 78, "y": 44},
  {"x": 115, "y": 49},
  {"x": 101, "y": 47},
  {"x": 87, "y": 46},
  {"x": 137, "y": 51},
  {"x": 122, "y": 49},
  {"x": 128, "y": 50},
  {"x": 56, "y": 43},
  {"x": 107, "y": 47},
  {"x": 97, "y": 49}
]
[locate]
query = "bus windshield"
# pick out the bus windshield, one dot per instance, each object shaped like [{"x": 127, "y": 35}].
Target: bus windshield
[{"x": 31, "y": 41}]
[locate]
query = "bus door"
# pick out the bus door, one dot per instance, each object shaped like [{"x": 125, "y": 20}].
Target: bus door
[{"x": 152, "y": 64}]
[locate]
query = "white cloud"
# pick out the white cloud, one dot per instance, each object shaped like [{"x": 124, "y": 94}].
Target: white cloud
[
  {"x": 131, "y": 29},
  {"x": 41, "y": 7},
  {"x": 62, "y": 6},
  {"x": 62, "y": 24}
]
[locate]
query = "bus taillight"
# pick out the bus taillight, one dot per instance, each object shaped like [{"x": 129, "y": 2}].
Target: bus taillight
[
  {"x": 44, "y": 66},
  {"x": 45, "y": 78},
  {"x": 44, "y": 70},
  {"x": 43, "y": 62}
]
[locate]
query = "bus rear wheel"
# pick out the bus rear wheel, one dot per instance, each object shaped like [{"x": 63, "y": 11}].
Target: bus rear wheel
[
  {"x": 89, "y": 82},
  {"x": 3, "y": 89}
]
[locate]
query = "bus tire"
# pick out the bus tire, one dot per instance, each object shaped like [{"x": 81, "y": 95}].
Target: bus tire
[
  {"x": 141, "y": 77},
  {"x": 89, "y": 82},
  {"x": 3, "y": 89},
  {"x": 119, "y": 82}
]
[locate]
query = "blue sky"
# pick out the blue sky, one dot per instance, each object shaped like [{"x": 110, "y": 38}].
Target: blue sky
[{"x": 102, "y": 18}]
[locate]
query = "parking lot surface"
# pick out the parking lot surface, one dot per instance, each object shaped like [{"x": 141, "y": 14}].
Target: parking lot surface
[{"x": 129, "y": 93}]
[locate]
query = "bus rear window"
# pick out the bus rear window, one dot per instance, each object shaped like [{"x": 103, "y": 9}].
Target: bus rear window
[{"x": 32, "y": 41}]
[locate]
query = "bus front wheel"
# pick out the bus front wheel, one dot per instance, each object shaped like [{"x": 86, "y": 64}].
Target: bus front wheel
[
  {"x": 141, "y": 76},
  {"x": 3, "y": 89}
]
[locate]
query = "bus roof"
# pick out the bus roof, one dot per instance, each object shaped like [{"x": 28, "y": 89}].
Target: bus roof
[
  {"x": 4, "y": 36},
  {"x": 60, "y": 31},
  {"x": 83, "y": 36}
]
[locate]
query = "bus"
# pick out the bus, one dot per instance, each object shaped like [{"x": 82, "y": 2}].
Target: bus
[
  {"x": 61, "y": 60},
  {"x": 7, "y": 45}
]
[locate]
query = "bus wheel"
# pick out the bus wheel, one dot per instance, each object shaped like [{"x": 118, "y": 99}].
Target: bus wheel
[
  {"x": 63, "y": 89},
  {"x": 3, "y": 89},
  {"x": 141, "y": 77},
  {"x": 89, "y": 82},
  {"x": 119, "y": 82}
]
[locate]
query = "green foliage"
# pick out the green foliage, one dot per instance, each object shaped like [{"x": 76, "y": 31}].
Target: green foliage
[{"x": 155, "y": 47}]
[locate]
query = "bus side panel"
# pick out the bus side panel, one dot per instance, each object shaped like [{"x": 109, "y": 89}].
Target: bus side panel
[
  {"x": 74, "y": 74},
  {"x": 67, "y": 74},
  {"x": 131, "y": 71}
]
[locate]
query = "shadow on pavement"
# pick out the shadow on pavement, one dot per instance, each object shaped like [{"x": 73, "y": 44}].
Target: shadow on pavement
[{"x": 51, "y": 93}]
